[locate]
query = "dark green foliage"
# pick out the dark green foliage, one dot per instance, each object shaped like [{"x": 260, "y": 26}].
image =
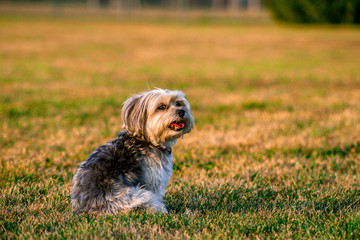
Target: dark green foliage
[{"x": 315, "y": 11}]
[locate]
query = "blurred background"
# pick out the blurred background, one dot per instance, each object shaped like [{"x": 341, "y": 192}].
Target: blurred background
[
  {"x": 126, "y": 6},
  {"x": 305, "y": 11},
  {"x": 274, "y": 86}
]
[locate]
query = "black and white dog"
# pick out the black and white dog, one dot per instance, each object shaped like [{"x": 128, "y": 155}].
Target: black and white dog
[{"x": 135, "y": 168}]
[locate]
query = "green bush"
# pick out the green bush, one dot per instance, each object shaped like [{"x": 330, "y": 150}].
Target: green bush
[{"x": 315, "y": 11}]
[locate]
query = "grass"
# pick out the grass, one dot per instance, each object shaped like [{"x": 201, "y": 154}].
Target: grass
[{"x": 274, "y": 154}]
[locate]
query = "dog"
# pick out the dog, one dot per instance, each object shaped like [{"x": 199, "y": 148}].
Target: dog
[{"x": 134, "y": 169}]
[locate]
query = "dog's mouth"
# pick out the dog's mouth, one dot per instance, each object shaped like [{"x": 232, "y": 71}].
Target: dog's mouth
[{"x": 177, "y": 126}]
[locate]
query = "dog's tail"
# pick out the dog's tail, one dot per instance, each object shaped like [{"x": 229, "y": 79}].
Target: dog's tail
[
  {"x": 133, "y": 197},
  {"x": 117, "y": 200}
]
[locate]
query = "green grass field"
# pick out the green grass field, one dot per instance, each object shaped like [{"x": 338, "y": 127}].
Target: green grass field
[{"x": 274, "y": 154}]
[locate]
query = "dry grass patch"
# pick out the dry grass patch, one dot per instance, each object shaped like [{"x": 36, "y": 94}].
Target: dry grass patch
[{"x": 275, "y": 152}]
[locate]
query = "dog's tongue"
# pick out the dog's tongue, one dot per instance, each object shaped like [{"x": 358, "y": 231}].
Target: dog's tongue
[{"x": 177, "y": 125}]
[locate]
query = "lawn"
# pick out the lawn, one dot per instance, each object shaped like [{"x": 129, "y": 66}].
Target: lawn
[{"x": 274, "y": 154}]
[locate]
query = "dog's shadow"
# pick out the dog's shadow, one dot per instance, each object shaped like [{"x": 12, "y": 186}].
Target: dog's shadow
[{"x": 231, "y": 199}]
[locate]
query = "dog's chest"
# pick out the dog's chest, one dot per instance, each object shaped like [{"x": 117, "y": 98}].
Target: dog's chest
[{"x": 157, "y": 173}]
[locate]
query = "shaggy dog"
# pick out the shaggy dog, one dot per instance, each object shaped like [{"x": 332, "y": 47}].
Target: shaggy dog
[{"x": 134, "y": 169}]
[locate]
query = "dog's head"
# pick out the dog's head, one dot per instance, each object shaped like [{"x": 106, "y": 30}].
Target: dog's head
[{"x": 159, "y": 116}]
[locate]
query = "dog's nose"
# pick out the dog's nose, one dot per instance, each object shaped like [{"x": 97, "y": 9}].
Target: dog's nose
[{"x": 181, "y": 113}]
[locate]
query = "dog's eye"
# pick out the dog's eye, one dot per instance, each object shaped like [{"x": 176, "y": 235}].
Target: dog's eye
[
  {"x": 162, "y": 107},
  {"x": 178, "y": 104}
]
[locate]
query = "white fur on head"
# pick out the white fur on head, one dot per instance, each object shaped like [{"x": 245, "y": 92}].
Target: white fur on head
[{"x": 142, "y": 117}]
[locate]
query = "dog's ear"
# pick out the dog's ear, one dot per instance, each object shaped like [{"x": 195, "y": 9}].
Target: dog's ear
[{"x": 134, "y": 115}]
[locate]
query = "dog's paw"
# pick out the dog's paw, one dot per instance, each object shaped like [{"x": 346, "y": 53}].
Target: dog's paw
[{"x": 161, "y": 208}]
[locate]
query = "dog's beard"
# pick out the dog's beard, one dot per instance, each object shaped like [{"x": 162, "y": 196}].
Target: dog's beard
[
  {"x": 154, "y": 116},
  {"x": 166, "y": 128}
]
